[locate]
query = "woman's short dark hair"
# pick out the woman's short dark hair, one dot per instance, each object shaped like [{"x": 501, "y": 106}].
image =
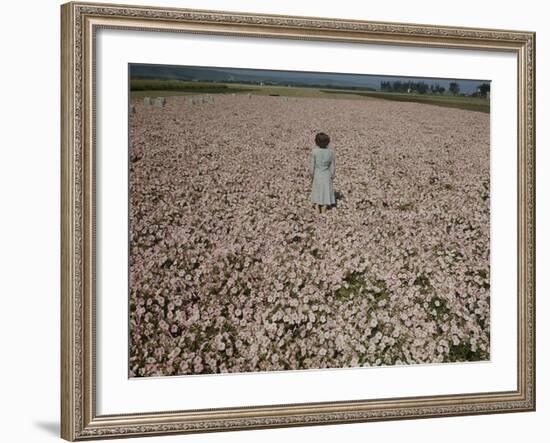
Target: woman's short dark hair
[{"x": 322, "y": 140}]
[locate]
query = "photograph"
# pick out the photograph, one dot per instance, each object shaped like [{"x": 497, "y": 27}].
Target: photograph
[
  {"x": 272, "y": 220},
  {"x": 290, "y": 220}
]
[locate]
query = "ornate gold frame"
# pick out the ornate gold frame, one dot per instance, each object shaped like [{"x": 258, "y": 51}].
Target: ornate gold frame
[{"x": 79, "y": 22}]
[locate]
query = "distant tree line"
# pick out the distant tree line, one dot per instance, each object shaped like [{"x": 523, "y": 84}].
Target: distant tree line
[
  {"x": 410, "y": 86},
  {"x": 454, "y": 88},
  {"x": 483, "y": 90},
  {"x": 421, "y": 87}
]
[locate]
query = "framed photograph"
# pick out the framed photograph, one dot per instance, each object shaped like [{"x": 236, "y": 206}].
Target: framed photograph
[{"x": 283, "y": 221}]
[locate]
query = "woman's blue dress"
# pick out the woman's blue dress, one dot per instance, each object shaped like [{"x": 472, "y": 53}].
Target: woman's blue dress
[{"x": 322, "y": 168}]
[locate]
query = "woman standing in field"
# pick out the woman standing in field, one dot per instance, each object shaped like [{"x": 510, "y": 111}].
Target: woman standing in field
[{"x": 321, "y": 170}]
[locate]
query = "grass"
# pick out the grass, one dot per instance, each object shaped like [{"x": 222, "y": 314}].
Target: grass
[
  {"x": 447, "y": 101},
  {"x": 156, "y": 89},
  {"x": 166, "y": 88},
  {"x": 171, "y": 86}
]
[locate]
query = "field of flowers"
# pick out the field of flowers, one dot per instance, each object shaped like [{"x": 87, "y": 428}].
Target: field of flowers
[{"x": 231, "y": 270}]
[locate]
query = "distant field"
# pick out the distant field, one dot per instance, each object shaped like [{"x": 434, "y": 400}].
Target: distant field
[
  {"x": 167, "y": 93},
  {"x": 448, "y": 101},
  {"x": 165, "y": 88}
]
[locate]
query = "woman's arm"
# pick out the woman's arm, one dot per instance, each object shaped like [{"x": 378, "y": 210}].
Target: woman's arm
[{"x": 333, "y": 165}]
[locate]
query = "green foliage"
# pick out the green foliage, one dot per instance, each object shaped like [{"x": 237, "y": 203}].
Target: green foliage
[
  {"x": 424, "y": 283},
  {"x": 463, "y": 352},
  {"x": 446, "y": 101},
  {"x": 454, "y": 88},
  {"x": 182, "y": 86},
  {"x": 354, "y": 281},
  {"x": 405, "y": 206},
  {"x": 440, "y": 307}
]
